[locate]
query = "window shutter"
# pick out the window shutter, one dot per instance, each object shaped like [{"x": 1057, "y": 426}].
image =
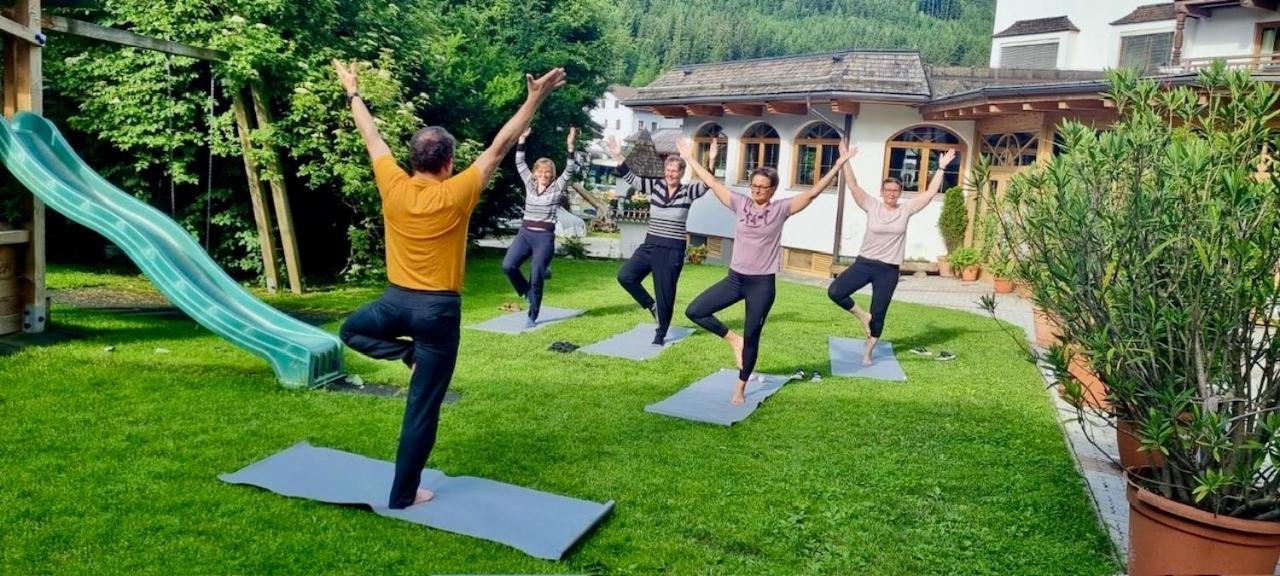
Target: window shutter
[
  {"x": 1036, "y": 56},
  {"x": 1147, "y": 52}
]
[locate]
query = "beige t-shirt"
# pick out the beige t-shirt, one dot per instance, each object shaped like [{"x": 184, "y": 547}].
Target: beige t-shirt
[{"x": 886, "y": 237}]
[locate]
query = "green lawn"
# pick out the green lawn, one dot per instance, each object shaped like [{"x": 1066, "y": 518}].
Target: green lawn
[{"x": 109, "y": 460}]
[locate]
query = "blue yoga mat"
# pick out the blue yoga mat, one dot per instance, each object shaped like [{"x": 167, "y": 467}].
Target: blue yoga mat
[
  {"x": 707, "y": 400},
  {"x": 637, "y": 343},
  {"x": 846, "y": 360},
  {"x": 514, "y": 323},
  {"x": 539, "y": 524}
]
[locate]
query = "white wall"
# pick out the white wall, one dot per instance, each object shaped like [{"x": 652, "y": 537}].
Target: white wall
[
  {"x": 1228, "y": 32},
  {"x": 1095, "y": 47},
  {"x": 621, "y": 122},
  {"x": 814, "y": 229}
]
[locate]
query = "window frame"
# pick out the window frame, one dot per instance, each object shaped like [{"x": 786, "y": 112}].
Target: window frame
[
  {"x": 820, "y": 143},
  {"x": 1156, "y": 68},
  {"x": 922, "y": 184},
  {"x": 746, "y": 141},
  {"x": 702, "y": 146}
]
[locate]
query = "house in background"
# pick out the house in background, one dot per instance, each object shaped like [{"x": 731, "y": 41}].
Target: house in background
[
  {"x": 1048, "y": 59},
  {"x": 614, "y": 119}
]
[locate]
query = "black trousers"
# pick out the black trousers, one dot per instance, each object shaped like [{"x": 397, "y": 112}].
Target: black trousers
[
  {"x": 541, "y": 246},
  {"x": 430, "y": 321},
  {"x": 665, "y": 263},
  {"x": 758, "y": 290},
  {"x": 883, "y": 278}
]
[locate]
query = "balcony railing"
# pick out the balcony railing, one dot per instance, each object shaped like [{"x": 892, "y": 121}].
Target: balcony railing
[{"x": 1255, "y": 62}]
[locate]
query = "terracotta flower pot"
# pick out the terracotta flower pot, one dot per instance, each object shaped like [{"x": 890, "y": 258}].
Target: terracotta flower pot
[
  {"x": 1046, "y": 328},
  {"x": 944, "y": 267},
  {"x": 1166, "y": 537},
  {"x": 1003, "y": 285},
  {"x": 1128, "y": 445},
  {"x": 970, "y": 274},
  {"x": 1093, "y": 389}
]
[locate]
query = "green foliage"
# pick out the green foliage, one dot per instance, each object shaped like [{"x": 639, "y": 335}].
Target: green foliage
[
  {"x": 572, "y": 247},
  {"x": 964, "y": 257},
  {"x": 1155, "y": 243},
  {"x": 668, "y": 33},
  {"x": 954, "y": 219},
  {"x": 697, "y": 254}
]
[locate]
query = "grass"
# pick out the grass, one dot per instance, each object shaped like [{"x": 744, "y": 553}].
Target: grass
[{"x": 110, "y": 459}]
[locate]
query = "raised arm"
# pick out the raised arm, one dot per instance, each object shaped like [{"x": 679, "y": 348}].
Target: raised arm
[
  {"x": 935, "y": 184},
  {"x": 570, "y": 160},
  {"x": 639, "y": 183},
  {"x": 373, "y": 141},
  {"x": 804, "y": 199},
  {"x": 717, "y": 187},
  {"x": 860, "y": 196},
  {"x": 522, "y": 168},
  {"x": 539, "y": 89}
]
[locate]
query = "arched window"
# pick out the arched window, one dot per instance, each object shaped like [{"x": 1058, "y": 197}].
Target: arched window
[
  {"x": 760, "y": 147},
  {"x": 912, "y": 154},
  {"x": 817, "y": 148},
  {"x": 703, "y": 139}
]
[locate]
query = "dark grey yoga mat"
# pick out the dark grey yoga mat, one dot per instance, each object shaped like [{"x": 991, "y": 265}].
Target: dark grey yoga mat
[
  {"x": 637, "y": 343},
  {"x": 846, "y": 360},
  {"x": 707, "y": 400},
  {"x": 513, "y": 323},
  {"x": 539, "y": 524}
]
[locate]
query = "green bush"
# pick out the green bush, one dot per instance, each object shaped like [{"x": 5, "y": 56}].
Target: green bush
[
  {"x": 954, "y": 219},
  {"x": 572, "y": 247},
  {"x": 964, "y": 257}
]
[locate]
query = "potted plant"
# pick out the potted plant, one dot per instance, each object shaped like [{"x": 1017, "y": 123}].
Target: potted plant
[
  {"x": 697, "y": 254},
  {"x": 1002, "y": 270},
  {"x": 967, "y": 261},
  {"x": 952, "y": 223},
  {"x": 1152, "y": 245}
]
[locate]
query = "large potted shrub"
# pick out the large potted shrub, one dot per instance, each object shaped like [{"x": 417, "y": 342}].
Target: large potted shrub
[
  {"x": 1153, "y": 245},
  {"x": 952, "y": 223}
]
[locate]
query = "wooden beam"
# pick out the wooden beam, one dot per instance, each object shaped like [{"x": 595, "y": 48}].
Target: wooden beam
[
  {"x": 793, "y": 108},
  {"x": 1079, "y": 104},
  {"x": 1044, "y": 106},
  {"x": 714, "y": 110},
  {"x": 1003, "y": 109},
  {"x": 846, "y": 107},
  {"x": 125, "y": 38},
  {"x": 261, "y": 215},
  {"x": 21, "y": 32},
  {"x": 744, "y": 109},
  {"x": 14, "y": 237},
  {"x": 279, "y": 193},
  {"x": 671, "y": 111},
  {"x": 24, "y": 90}
]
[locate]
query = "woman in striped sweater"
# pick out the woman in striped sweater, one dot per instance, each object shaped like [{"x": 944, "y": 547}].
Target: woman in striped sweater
[
  {"x": 662, "y": 252},
  {"x": 537, "y": 236}
]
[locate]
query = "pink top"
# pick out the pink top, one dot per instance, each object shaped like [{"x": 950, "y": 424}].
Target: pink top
[
  {"x": 757, "y": 236},
  {"x": 886, "y": 237}
]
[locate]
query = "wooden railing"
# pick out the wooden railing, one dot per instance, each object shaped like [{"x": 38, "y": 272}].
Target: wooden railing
[{"x": 1252, "y": 62}]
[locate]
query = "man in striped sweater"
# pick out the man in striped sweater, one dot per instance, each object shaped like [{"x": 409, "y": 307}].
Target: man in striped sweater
[
  {"x": 662, "y": 252},
  {"x": 537, "y": 235}
]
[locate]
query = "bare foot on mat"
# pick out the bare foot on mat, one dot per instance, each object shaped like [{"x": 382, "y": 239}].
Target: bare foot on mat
[{"x": 423, "y": 496}]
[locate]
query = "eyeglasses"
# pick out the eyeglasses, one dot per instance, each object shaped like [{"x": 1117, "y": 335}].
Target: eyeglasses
[{"x": 754, "y": 187}]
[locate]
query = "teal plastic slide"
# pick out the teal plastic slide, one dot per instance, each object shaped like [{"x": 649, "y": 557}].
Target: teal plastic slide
[{"x": 38, "y": 156}]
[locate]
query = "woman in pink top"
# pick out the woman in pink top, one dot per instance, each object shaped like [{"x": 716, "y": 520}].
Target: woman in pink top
[
  {"x": 883, "y": 247},
  {"x": 757, "y": 249}
]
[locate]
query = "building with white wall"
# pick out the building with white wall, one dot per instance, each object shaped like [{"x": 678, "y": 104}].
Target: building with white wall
[{"x": 614, "y": 119}]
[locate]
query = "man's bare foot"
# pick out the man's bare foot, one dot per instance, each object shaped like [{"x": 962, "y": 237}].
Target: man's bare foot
[
  {"x": 735, "y": 342},
  {"x": 423, "y": 496},
  {"x": 739, "y": 393}
]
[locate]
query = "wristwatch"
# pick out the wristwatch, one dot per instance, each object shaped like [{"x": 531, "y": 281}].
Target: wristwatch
[{"x": 352, "y": 96}]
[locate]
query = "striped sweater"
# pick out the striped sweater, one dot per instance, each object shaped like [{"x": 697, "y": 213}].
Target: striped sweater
[
  {"x": 540, "y": 209},
  {"x": 668, "y": 210}
]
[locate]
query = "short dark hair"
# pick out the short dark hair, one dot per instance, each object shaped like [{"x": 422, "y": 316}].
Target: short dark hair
[
  {"x": 675, "y": 160},
  {"x": 891, "y": 180},
  {"x": 767, "y": 172},
  {"x": 431, "y": 149}
]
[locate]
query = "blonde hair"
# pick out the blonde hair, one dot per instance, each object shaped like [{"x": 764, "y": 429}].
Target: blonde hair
[{"x": 545, "y": 162}]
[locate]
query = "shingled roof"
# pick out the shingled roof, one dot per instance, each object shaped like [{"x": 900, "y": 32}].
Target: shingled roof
[
  {"x": 882, "y": 75},
  {"x": 1148, "y": 13},
  {"x": 1038, "y": 26},
  {"x": 948, "y": 81}
]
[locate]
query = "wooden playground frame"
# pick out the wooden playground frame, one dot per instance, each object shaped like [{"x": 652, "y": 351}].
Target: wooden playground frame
[{"x": 24, "y": 300}]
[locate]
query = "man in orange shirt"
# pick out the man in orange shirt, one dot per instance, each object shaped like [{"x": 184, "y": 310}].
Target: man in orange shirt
[{"x": 426, "y": 215}]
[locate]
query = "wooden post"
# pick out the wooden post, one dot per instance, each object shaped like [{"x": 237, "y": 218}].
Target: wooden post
[
  {"x": 279, "y": 194},
  {"x": 261, "y": 213},
  {"x": 24, "y": 90},
  {"x": 840, "y": 193}
]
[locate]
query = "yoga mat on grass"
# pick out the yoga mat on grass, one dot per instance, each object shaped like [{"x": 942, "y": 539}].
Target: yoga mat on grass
[
  {"x": 514, "y": 323},
  {"x": 637, "y": 343},
  {"x": 707, "y": 400},
  {"x": 846, "y": 360},
  {"x": 539, "y": 524}
]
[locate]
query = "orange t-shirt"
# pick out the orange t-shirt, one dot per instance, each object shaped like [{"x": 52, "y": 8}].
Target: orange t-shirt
[{"x": 426, "y": 222}]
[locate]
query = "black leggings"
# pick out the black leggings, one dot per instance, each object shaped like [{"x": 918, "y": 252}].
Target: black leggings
[
  {"x": 539, "y": 245},
  {"x": 665, "y": 262},
  {"x": 759, "y": 292},
  {"x": 432, "y": 321},
  {"x": 883, "y": 278}
]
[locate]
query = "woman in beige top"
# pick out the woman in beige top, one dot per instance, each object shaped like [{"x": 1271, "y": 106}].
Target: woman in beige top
[{"x": 882, "y": 250}]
